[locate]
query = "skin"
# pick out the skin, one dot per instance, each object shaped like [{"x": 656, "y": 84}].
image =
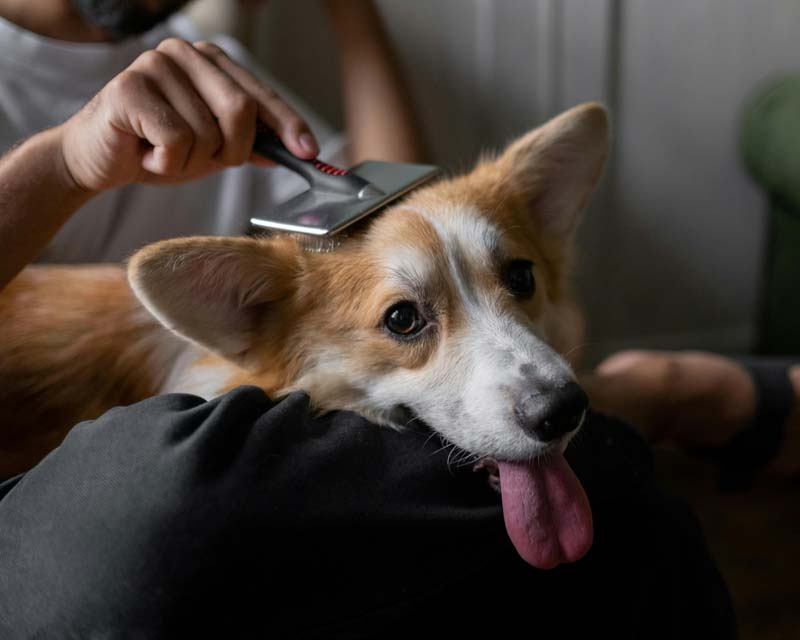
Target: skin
[
  {"x": 376, "y": 98},
  {"x": 689, "y": 398},
  {"x": 177, "y": 113}
]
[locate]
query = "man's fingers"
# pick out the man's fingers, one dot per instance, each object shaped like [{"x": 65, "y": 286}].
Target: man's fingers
[
  {"x": 142, "y": 110},
  {"x": 272, "y": 110},
  {"x": 207, "y": 139},
  {"x": 234, "y": 108}
]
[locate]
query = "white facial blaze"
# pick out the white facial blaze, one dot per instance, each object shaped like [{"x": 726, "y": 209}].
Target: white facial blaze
[
  {"x": 408, "y": 267},
  {"x": 467, "y": 391}
]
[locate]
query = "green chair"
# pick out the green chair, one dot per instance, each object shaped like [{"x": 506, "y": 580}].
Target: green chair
[{"x": 770, "y": 146}]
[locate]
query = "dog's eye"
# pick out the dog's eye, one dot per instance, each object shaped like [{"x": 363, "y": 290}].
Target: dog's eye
[
  {"x": 518, "y": 277},
  {"x": 403, "y": 319}
]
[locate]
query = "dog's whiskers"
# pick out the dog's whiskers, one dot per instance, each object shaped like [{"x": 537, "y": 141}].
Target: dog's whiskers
[
  {"x": 458, "y": 457},
  {"x": 432, "y": 435},
  {"x": 467, "y": 459},
  {"x": 445, "y": 444},
  {"x": 449, "y": 455},
  {"x": 567, "y": 353}
]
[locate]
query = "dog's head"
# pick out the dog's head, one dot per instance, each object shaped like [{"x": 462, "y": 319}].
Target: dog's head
[{"x": 453, "y": 306}]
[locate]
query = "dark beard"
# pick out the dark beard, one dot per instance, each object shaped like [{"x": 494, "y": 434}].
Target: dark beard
[{"x": 122, "y": 18}]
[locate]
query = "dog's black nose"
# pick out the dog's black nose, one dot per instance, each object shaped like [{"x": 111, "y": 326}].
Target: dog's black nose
[{"x": 549, "y": 415}]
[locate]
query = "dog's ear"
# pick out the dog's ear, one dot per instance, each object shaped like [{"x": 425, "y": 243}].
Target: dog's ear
[
  {"x": 216, "y": 291},
  {"x": 555, "y": 167}
]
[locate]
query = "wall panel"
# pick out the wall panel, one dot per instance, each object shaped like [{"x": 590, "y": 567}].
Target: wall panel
[{"x": 673, "y": 243}]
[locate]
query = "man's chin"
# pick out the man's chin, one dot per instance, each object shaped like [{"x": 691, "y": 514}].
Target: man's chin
[{"x": 123, "y": 18}]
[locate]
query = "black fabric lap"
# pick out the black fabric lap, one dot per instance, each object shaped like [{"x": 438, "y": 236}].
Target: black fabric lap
[{"x": 242, "y": 517}]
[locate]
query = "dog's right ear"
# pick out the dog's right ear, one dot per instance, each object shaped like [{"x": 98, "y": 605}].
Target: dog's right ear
[
  {"x": 216, "y": 291},
  {"x": 553, "y": 169}
]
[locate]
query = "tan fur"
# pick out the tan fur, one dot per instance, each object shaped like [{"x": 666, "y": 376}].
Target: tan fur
[{"x": 76, "y": 341}]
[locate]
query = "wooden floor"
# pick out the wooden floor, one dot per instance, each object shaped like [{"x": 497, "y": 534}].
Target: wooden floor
[{"x": 755, "y": 538}]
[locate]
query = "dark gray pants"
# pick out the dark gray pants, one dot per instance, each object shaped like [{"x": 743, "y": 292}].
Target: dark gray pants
[{"x": 244, "y": 517}]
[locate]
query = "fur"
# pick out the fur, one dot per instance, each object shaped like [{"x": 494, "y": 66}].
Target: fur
[{"x": 221, "y": 312}]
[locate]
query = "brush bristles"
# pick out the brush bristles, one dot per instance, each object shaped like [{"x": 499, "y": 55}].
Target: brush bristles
[
  {"x": 319, "y": 244},
  {"x": 309, "y": 243}
]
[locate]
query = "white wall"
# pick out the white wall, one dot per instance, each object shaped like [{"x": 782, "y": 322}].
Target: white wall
[
  {"x": 672, "y": 246},
  {"x": 685, "y": 222}
]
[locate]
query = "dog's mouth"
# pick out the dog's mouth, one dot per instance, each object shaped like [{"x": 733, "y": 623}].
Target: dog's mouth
[{"x": 545, "y": 508}]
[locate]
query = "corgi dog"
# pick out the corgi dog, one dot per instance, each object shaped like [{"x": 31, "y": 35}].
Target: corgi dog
[{"x": 453, "y": 307}]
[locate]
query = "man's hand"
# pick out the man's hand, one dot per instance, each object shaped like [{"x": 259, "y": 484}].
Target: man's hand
[{"x": 179, "y": 112}]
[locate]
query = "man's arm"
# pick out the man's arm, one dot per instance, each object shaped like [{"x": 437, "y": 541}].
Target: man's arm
[
  {"x": 378, "y": 110},
  {"x": 179, "y": 112},
  {"x": 37, "y": 196}
]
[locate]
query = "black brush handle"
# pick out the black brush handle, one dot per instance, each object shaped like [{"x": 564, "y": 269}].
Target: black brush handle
[{"x": 320, "y": 176}]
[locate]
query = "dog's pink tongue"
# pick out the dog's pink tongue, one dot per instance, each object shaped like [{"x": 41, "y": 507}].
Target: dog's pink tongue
[{"x": 546, "y": 511}]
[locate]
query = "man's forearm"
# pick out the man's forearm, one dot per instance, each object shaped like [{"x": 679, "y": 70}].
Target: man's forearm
[
  {"x": 379, "y": 113},
  {"x": 37, "y": 196}
]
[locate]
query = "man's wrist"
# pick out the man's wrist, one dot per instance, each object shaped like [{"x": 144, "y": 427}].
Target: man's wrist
[
  {"x": 49, "y": 145},
  {"x": 65, "y": 179}
]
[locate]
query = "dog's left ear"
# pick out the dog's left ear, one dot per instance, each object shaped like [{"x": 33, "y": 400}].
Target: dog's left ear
[
  {"x": 555, "y": 168},
  {"x": 221, "y": 293}
]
